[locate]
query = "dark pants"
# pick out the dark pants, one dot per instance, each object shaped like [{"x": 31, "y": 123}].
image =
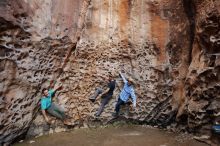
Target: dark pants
[
  {"x": 105, "y": 100},
  {"x": 56, "y": 111},
  {"x": 119, "y": 103}
]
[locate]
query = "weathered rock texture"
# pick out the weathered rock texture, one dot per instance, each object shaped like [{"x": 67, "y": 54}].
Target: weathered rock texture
[
  {"x": 169, "y": 47},
  {"x": 202, "y": 80}
]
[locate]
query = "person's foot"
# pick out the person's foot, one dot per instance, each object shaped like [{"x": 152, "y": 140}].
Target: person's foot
[
  {"x": 115, "y": 115},
  {"x": 96, "y": 115},
  {"x": 66, "y": 122},
  {"x": 52, "y": 121},
  {"x": 49, "y": 121},
  {"x": 92, "y": 99}
]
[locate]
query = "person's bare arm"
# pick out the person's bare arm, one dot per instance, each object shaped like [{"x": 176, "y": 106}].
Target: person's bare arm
[
  {"x": 52, "y": 83},
  {"x": 104, "y": 92},
  {"x": 45, "y": 116},
  {"x": 134, "y": 98},
  {"x": 57, "y": 88}
]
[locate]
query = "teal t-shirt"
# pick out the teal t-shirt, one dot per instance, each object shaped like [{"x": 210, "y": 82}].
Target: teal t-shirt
[{"x": 46, "y": 101}]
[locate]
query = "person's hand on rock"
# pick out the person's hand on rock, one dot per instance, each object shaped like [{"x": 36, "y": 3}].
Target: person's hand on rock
[{"x": 48, "y": 120}]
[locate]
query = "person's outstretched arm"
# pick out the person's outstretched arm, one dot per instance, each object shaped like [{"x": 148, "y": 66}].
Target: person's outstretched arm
[
  {"x": 123, "y": 78},
  {"x": 133, "y": 96},
  {"x": 53, "y": 91},
  {"x": 57, "y": 88},
  {"x": 52, "y": 84},
  {"x": 104, "y": 92},
  {"x": 45, "y": 116}
]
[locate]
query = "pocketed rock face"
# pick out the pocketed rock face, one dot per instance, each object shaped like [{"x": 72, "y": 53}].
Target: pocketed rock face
[
  {"x": 25, "y": 67},
  {"x": 48, "y": 18},
  {"x": 202, "y": 82},
  {"x": 196, "y": 80},
  {"x": 169, "y": 47}
]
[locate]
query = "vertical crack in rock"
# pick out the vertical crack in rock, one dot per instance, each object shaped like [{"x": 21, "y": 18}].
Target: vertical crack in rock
[
  {"x": 190, "y": 10},
  {"x": 80, "y": 27}
]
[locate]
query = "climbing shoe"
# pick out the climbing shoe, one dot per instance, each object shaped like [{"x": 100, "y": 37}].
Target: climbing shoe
[
  {"x": 96, "y": 115},
  {"x": 115, "y": 115},
  {"x": 92, "y": 99}
]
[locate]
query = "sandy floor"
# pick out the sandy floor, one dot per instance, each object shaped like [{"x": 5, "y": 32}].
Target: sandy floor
[{"x": 114, "y": 136}]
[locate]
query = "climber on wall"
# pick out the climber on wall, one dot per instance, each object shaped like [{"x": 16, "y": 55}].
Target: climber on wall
[
  {"x": 106, "y": 95},
  {"x": 126, "y": 92},
  {"x": 47, "y": 106}
]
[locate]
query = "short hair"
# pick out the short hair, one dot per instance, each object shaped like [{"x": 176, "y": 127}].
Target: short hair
[{"x": 44, "y": 90}]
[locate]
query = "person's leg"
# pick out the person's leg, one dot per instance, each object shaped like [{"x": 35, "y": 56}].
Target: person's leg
[
  {"x": 53, "y": 111},
  {"x": 97, "y": 92},
  {"x": 60, "y": 110},
  {"x": 117, "y": 107},
  {"x": 104, "y": 101}
]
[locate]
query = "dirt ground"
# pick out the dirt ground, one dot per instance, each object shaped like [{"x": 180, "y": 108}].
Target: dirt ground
[{"x": 114, "y": 136}]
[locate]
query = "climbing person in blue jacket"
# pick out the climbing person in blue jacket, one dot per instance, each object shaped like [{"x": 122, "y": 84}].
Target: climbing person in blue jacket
[
  {"x": 126, "y": 92},
  {"x": 47, "y": 106}
]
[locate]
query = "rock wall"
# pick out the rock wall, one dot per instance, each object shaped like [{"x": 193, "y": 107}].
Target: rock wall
[
  {"x": 169, "y": 47},
  {"x": 202, "y": 81},
  {"x": 26, "y": 63}
]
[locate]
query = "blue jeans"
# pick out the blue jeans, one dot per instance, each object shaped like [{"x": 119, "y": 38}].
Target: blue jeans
[{"x": 119, "y": 103}]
